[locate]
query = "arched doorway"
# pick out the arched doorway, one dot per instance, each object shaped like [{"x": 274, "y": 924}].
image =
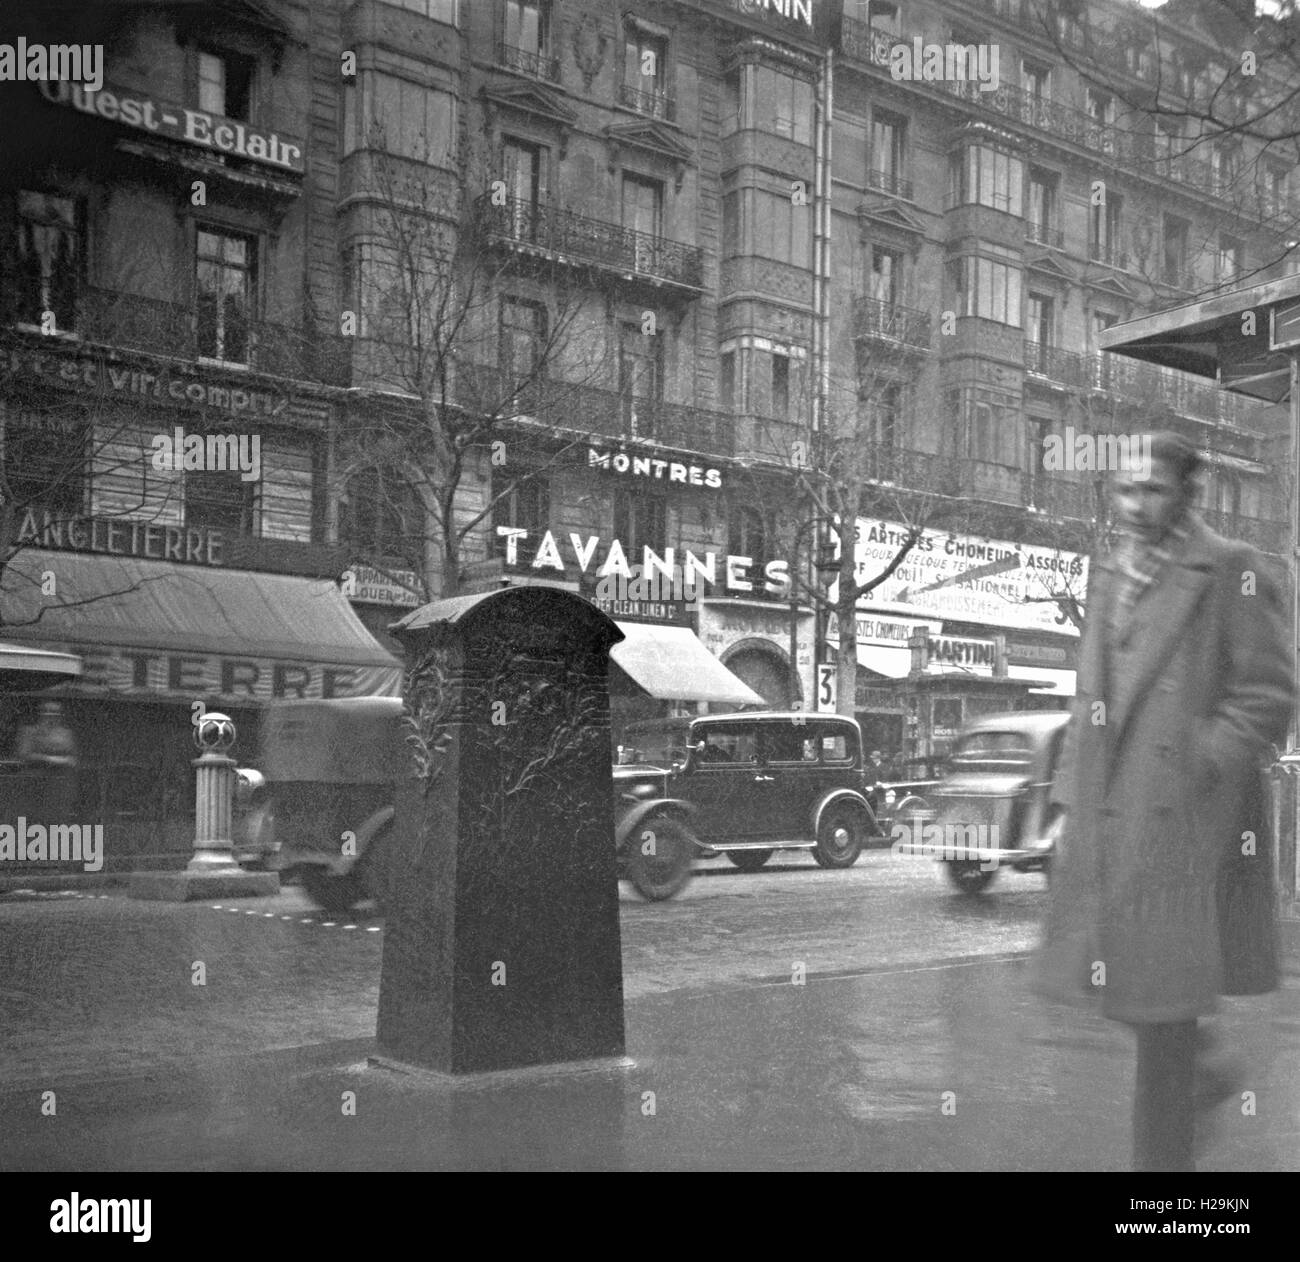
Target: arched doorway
[{"x": 765, "y": 670}]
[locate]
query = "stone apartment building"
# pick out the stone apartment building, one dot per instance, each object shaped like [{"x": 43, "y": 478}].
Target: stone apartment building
[{"x": 747, "y": 229}]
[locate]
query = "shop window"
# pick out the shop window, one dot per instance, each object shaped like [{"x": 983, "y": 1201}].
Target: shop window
[
  {"x": 47, "y": 261},
  {"x": 221, "y": 501},
  {"x": 380, "y": 517},
  {"x": 640, "y": 521},
  {"x": 224, "y": 285},
  {"x": 225, "y": 82}
]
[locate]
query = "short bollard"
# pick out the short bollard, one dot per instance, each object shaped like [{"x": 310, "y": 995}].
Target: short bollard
[{"x": 212, "y": 871}]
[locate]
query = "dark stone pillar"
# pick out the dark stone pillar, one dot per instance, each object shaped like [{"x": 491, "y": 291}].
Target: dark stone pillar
[{"x": 502, "y": 944}]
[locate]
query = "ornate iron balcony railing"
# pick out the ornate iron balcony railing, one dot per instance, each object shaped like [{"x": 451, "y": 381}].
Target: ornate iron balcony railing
[
  {"x": 652, "y": 104},
  {"x": 891, "y": 322},
  {"x": 538, "y": 64},
  {"x": 594, "y": 241}
]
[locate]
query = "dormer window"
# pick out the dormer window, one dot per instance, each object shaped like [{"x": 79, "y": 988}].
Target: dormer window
[{"x": 226, "y": 84}]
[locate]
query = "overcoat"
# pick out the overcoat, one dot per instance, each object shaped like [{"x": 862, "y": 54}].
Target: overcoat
[{"x": 1160, "y": 775}]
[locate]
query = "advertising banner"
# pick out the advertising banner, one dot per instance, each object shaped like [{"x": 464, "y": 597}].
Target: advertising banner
[{"x": 965, "y": 578}]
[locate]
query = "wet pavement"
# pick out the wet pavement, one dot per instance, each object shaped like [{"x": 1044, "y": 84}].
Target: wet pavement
[{"x": 895, "y": 1052}]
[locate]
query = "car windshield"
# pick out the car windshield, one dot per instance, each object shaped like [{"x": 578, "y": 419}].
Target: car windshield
[
  {"x": 994, "y": 746},
  {"x": 659, "y": 745}
]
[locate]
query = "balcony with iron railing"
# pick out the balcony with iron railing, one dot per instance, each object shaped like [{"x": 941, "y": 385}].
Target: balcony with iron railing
[
  {"x": 891, "y": 322},
  {"x": 889, "y": 182},
  {"x": 1138, "y": 150},
  {"x": 578, "y": 408},
  {"x": 565, "y": 236},
  {"x": 228, "y": 338},
  {"x": 653, "y": 104},
  {"x": 1041, "y": 234},
  {"x": 532, "y": 62},
  {"x": 1108, "y": 256},
  {"x": 1068, "y": 368}
]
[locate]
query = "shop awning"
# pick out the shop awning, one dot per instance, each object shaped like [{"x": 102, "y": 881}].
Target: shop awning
[
  {"x": 167, "y": 630},
  {"x": 24, "y": 667},
  {"x": 671, "y": 664},
  {"x": 892, "y": 663},
  {"x": 1060, "y": 682}
]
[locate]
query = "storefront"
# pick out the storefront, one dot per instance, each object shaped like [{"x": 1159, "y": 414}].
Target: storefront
[
  {"x": 965, "y": 626},
  {"x": 160, "y": 642}
]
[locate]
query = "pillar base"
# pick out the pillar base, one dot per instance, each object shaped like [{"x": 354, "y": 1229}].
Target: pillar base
[{"x": 186, "y": 886}]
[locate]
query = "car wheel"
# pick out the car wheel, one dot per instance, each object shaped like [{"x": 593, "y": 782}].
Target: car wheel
[
  {"x": 969, "y": 876},
  {"x": 662, "y": 873},
  {"x": 749, "y": 860},
  {"x": 839, "y": 837},
  {"x": 330, "y": 891}
]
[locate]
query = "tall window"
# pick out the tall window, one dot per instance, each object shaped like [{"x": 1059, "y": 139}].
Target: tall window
[
  {"x": 1230, "y": 259},
  {"x": 640, "y": 521},
  {"x": 643, "y": 212},
  {"x": 884, "y": 16},
  {"x": 1106, "y": 230},
  {"x": 526, "y": 38},
  {"x": 727, "y": 395},
  {"x": 783, "y": 104},
  {"x": 780, "y": 394},
  {"x": 769, "y": 225},
  {"x": 1040, "y": 206},
  {"x": 48, "y": 262},
  {"x": 745, "y": 534},
  {"x": 1226, "y": 162},
  {"x": 1276, "y": 190},
  {"x": 987, "y": 424},
  {"x": 522, "y": 347},
  {"x": 988, "y": 287},
  {"x": 886, "y": 280},
  {"x": 640, "y": 379},
  {"x": 884, "y": 415},
  {"x": 1168, "y": 138},
  {"x": 889, "y": 154},
  {"x": 221, "y": 501},
  {"x": 404, "y": 119},
  {"x": 988, "y": 177},
  {"x": 526, "y": 25},
  {"x": 1174, "y": 252},
  {"x": 645, "y": 71},
  {"x": 1042, "y": 320},
  {"x": 524, "y": 167},
  {"x": 226, "y": 84},
  {"x": 380, "y": 515},
  {"x": 1036, "y": 82},
  {"x": 1040, "y": 429},
  {"x": 521, "y": 504},
  {"x": 224, "y": 287}
]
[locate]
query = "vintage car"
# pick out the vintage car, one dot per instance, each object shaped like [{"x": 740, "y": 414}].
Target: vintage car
[
  {"x": 905, "y": 789},
  {"x": 993, "y": 807},
  {"x": 318, "y": 806},
  {"x": 743, "y": 785}
]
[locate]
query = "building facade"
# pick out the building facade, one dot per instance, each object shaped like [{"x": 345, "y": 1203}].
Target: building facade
[{"x": 589, "y": 287}]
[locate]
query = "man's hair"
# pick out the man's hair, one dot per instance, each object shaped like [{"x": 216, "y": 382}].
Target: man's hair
[{"x": 1179, "y": 453}]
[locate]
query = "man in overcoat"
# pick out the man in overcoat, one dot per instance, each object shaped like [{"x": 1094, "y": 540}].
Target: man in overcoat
[{"x": 1185, "y": 680}]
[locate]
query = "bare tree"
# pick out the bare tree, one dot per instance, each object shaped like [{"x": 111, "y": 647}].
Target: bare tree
[
  {"x": 476, "y": 351},
  {"x": 1209, "y": 92}
]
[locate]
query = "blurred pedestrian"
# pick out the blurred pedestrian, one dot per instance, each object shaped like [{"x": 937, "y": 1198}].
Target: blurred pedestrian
[
  {"x": 49, "y": 748},
  {"x": 1161, "y": 897}
]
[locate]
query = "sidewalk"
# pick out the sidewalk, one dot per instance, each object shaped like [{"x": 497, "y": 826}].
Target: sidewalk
[{"x": 846, "y": 1072}]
